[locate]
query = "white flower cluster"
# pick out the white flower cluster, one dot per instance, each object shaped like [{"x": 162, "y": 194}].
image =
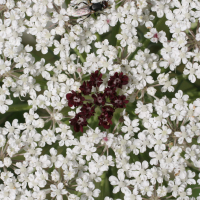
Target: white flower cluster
[{"x": 151, "y": 152}]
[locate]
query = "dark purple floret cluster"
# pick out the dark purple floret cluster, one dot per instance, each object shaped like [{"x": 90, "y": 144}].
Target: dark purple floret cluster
[{"x": 101, "y": 99}]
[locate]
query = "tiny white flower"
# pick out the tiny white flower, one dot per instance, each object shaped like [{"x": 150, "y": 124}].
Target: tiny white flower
[
  {"x": 151, "y": 91},
  {"x": 58, "y": 191},
  {"x": 121, "y": 182}
]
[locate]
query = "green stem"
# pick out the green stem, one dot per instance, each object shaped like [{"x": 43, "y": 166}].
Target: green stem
[{"x": 79, "y": 54}]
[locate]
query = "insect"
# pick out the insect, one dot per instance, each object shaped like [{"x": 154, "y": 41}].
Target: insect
[{"x": 89, "y": 8}]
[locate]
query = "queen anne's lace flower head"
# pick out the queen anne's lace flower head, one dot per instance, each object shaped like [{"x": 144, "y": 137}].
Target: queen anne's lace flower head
[{"x": 99, "y": 100}]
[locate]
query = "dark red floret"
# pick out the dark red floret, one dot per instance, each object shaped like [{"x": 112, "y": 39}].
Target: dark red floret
[
  {"x": 88, "y": 110},
  {"x": 79, "y": 121},
  {"x": 118, "y": 80},
  {"x": 105, "y": 120},
  {"x": 96, "y": 79},
  {"x": 74, "y": 99},
  {"x": 86, "y": 87},
  {"x": 99, "y": 99},
  {"x": 108, "y": 110},
  {"x": 119, "y": 101},
  {"x": 110, "y": 92}
]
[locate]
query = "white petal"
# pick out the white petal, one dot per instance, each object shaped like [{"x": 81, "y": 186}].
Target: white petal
[
  {"x": 116, "y": 189},
  {"x": 113, "y": 180},
  {"x": 121, "y": 175},
  {"x": 60, "y": 185},
  {"x": 145, "y": 164}
]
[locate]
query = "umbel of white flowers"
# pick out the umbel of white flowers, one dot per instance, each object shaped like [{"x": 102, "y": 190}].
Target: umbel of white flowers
[{"x": 150, "y": 148}]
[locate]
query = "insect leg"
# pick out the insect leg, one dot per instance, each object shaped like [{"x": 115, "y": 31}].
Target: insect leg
[{"x": 85, "y": 18}]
